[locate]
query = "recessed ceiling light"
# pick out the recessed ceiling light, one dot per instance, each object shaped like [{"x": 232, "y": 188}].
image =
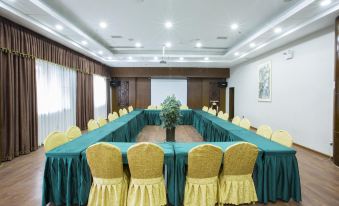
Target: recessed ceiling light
[
  {"x": 252, "y": 45},
  {"x": 138, "y": 44},
  {"x": 325, "y": 2},
  {"x": 277, "y": 30},
  {"x": 100, "y": 52},
  {"x": 103, "y": 24},
  {"x": 155, "y": 58},
  {"x": 236, "y": 54},
  {"x": 84, "y": 42},
  {"x": 181, "y": 58},
  {"x": 168, "y": 24},
  {"x": 206, "y": 58},
  {"x": 110, "y": 58},
  {"x": 234, "y": 26},
  {"x": 130, "y": 58},
  {"x": 59, "y": 27},
  {"x": 198, "y": 44},
  {"x": 168, "y": 44}
]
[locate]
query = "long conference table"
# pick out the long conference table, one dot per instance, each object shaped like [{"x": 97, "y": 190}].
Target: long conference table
[{"x": 67, "y": 177}]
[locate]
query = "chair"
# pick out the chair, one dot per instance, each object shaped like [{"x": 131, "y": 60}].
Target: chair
[
  {"x": 130, "y": 108},
  {"x": 183, "y": 107},
  {"x": 73, "y": 133},
  {"x": 225, "y": 116},
  {"x": 209, "y": 110},
  {"x": 54, "y": 139},
  {"x": 121, "y": 113},
  {"x": 159, "y": 107},
  {"x": 152, "y": 107},
  {"x": 102, "y": 122},
  {"x": 147, "y": 186},
  {"x": 205, "y": 109},
  {"x": 236, "y": 120},
  {"x": 236, "y": 185},
  {"x": 220, "y": 114},
  {"x": 282, "y": 137},
  {"x": 113, "y": 116},
  {"x": 110, "y": 184},
  {"x": 124, "y": 110},
  {"x": 265, "y": 131},
  {"x": 214, "y": 112},
  {"x": 245, "y": 123},
  {"x": 92, "y": 125},
  {"x": 201, "y": 186}
]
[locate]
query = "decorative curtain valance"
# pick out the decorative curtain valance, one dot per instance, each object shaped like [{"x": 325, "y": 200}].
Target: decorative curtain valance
[{"x": 22, "y": 41}]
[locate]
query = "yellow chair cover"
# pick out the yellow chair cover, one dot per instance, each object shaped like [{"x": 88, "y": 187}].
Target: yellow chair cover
[
  {"x": 73, "y": 133},
  {"x": 225, "y": 116},
  {"x": 102, "y": 122},
  {"x": 214, "y": 112},
  {"x": 130, "y": 108},
  {"x": 236, "y": 185},
  {"x": 201, "y": 186},
  {"x": 282, "y": 137},
  {"x": 245, "y": 123},
  {"x": 121, "y": 112},
  {"x": 152, "y": 107},
  {"x": 92, "y": 125},
  {"x": 110, "y": 183},
  {"x": 54, "y": 139},
  {"x": 236, "y": 120},
  {"x": 210, "y": 110},
  {"x": 220, "y": 114},
  {"x": 183, "y": 107},
  {"x": 147, "y": 186},
  {"x": 110, "y": 117},
  {"x": 124, "y": 110},
  {"x": 265, "y": 131},
  {"x": 205, "y": 109}
]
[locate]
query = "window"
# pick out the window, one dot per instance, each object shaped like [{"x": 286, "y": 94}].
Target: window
[
  {"x": 100, "y": 96},
  {"x": 56, "y": 98}
]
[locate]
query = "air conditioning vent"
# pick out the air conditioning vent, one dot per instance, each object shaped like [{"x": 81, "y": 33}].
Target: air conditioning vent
[
  {"x": 222, "y": 37},
  {"x": 116, "y": 37}
]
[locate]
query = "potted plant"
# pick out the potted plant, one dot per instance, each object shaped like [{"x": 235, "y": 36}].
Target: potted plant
[{"x": 170, "y": 116}]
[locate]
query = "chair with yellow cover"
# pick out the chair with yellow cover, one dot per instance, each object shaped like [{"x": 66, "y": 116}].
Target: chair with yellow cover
[
  {"x": 153, "y": 107},
  {"x": 236, "y": 185},
  {"x": 210, "y": 110},
  {"x": 147, "y": 186},
  {"x": 245, "y": 123},
  {"x": 121, "y": 112},
  {"x": 110, "y": 184},
  {"x": 183, "y": 107},
  {"x": 214, "y": 112},
  {"x": 92, "y": 125},
  {"x": 130, "y": 108},
  {"x": 159, "y": 107},
  {"x": 73, "y": 132},
  {"x": 236, "y": 120},
  {"x": 54, "y": 139},
  {"x": 225, "y": 116},
  {"x": 220, "y": 114},
  {"x": 265, "y": 131},
  {"x": 201, "y": 186},
  {"x": 124, "y": 110},
  {"x": 282, "y": 137},
  {"x": 111, "y": 117},
  {"x": 205, "y": 109},
  {"x": 102, "y": 122}
]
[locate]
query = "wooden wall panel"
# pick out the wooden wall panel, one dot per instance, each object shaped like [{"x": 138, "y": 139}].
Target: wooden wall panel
[
  {"x": 143, "y": 92},
  {"x": 170, "y": 72},
  {"x": 194, "y": 93},
  {"x": 336, "y": 98}
]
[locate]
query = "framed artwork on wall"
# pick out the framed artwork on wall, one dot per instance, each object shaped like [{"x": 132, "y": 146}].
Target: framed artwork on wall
[{"x": 265, "y": 82}]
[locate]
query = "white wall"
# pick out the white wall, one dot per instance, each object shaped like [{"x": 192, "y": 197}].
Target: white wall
[
  {"x": 302, "y": 91},
  {"x": 161, "y": 88}
]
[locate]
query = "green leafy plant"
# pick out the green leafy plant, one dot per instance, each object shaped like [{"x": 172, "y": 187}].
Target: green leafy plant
[{"x": 170, "y": 113}]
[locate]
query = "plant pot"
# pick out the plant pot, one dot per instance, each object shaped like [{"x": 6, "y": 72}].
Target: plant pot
[{"x": 170, "y": 135}]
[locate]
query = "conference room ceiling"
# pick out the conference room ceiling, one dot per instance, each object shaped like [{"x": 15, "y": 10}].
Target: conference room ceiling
[{"x": 127, "y": 33}]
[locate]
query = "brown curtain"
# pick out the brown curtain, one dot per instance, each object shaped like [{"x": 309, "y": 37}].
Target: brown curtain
[
  {"x": 84, "y": 99},
  {"x": 18, "y": 106},
  {"x": 109, "y": 108}
]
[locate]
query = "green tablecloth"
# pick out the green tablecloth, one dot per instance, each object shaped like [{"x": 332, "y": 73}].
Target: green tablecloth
[
  {"x": 181, "y": 153},
  {"x": 168, "y": 162},
  {"x": 152, "y": 117},
  {"x": 62, "y": 179}
]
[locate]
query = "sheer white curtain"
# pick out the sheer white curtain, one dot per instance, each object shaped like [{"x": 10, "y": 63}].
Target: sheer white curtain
[
  {"x": 56, "y": 98},
  {"x": 100, "y": 96}
]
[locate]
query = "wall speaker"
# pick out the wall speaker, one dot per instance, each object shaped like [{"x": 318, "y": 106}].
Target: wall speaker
[
  {"x": 115, "y": 83},
  {"x": 222, "y": 84}
]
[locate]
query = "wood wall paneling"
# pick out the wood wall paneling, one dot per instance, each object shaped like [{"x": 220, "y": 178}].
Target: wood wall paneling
[
  {"x": 194, "y": 93},
  {"x": 143, "y": 92},
  {"x": 170, "y": 72},
  {"x": 336, "y": 98}
]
